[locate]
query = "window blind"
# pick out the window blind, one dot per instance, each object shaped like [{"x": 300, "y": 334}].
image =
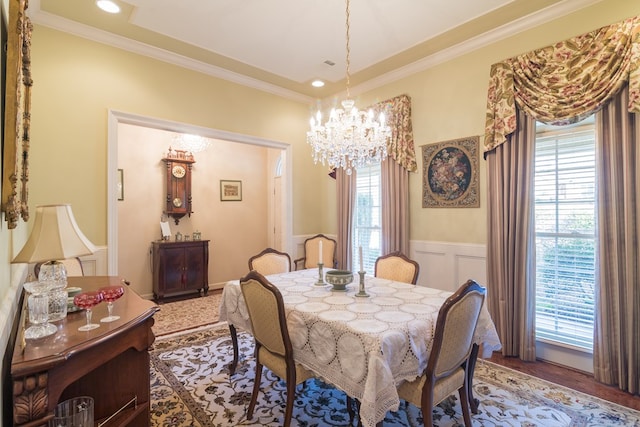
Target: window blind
[
  {"x": 367, "y": 218},
  {"x": 565, "y": 225}
]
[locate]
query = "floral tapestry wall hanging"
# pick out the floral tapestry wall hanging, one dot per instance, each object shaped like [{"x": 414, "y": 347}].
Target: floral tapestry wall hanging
[{"x": 450, "y": 174}]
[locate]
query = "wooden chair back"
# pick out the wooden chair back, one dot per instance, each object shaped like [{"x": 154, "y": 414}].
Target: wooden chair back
[
  {"x": 270, "y": 261},
  {"x": 312, "y": 252},
  {"x": 397, "y": 266}
]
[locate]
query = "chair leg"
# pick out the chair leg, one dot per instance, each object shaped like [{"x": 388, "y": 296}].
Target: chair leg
[
  {"x": 464, "y": 401},
  {"x": 256, "y": 389},
  {"x": 471, "y": 367},
  {"x": 291, "y": 395},
  {"x": 427, "y": 412},
  {"x": 234, "y": 343},
  {"x": 350, "y": 410}
]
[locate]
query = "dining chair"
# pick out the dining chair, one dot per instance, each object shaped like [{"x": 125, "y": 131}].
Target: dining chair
[
  {"x": 270, "y": 261},
  {"x": 448, "y": 364},
  {"x": 273, "y": 347},
  {"x": 396, "y": 266},
  {"x": 73, "y": 266},
  {"x": 312, "y": 252}
]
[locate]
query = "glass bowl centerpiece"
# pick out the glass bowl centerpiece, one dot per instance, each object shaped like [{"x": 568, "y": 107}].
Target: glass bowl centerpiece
[{"x": 339, "y": 279}]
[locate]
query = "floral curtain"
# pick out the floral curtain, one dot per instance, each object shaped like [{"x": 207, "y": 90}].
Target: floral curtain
[
  {"x": 397, "y": 112},
  {"x": 566, "y": 82}
]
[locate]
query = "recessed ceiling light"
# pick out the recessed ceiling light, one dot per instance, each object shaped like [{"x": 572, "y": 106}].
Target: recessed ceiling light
[
  {"x": 317, "y": 83},
  {"x": 108, "y": 6}
]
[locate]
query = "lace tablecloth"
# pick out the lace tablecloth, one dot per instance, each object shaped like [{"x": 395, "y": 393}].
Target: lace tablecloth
[{"x": 364, "y": 346}]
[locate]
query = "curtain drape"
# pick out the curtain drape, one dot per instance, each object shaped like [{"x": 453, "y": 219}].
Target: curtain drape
[
  {"x": 395, "y": 207},
  {"x": 395, "y": 174},
  {"x": 346, "y": 195},
  {"x": 617, "y": 325},
  {"x": 565, "y": 82},
  {"x": 400, "y": 147},
  {"x": 394, "y": 186},
  {"x": 561, "y": 84},
  {"x": 511, "y": 242}
]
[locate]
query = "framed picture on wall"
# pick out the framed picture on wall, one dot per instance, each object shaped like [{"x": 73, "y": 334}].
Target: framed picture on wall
[
  {"x": 450, "y": 174},
  {"x": 230, "y": 191}
]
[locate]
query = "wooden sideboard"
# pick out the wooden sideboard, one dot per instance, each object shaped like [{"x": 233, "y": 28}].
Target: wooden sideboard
[
  {"x": 180, "y": 268},
  {"x": 110, "y": 363}
]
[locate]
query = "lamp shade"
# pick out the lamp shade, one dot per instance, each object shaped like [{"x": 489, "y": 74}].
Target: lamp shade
[{"x": 55, "y": 235}]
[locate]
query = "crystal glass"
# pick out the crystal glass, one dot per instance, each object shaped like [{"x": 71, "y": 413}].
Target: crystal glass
[
  {"x": 55, "y": 274},
  {"x": 53, "y": 271},
  {"x": 75, "y": 412},
  {"x": 111, "y": 294},
  {"x": 38, "y": 303},
  {"x": 86, "y": 301}
]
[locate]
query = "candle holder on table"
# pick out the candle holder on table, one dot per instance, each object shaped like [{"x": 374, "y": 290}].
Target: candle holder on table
[
  {"x": 361, "y": 291},
  {"x": 320, "y": 281}
]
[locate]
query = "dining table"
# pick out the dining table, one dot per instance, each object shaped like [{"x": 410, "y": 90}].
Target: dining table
[{"x": 363, "y": 345}]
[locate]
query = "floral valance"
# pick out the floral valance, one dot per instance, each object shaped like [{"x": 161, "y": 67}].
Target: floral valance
[
  {"x": 398, "y": 116},
  {"x": 566, "y": 82}
]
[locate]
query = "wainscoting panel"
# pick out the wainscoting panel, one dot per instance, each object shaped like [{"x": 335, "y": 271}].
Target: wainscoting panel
[
  {"x": 96, "y": 263},
  {"x": 446, "y": 266},
  {"x": 443, "y": 265}
]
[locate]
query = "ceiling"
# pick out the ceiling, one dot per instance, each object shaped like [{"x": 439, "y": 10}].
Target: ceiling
[{"x": 282, "y": 45}]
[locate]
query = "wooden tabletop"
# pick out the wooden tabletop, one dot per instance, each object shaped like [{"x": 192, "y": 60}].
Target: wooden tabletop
[{"x": 35, "y": 355}]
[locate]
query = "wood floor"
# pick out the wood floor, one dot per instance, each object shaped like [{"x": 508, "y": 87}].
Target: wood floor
[{"x": 567, "y": 377}]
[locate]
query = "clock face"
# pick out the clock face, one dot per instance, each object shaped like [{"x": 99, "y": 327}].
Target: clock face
[
  {"x": 178, "y": 171},
  {"x": 177, "y": 202}
]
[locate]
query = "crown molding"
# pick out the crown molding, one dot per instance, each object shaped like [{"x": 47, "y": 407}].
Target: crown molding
[
  {"x": 533, "y": 20},
  {"x": 81, "y": 30},
  {"x": 525, "y": 23}
]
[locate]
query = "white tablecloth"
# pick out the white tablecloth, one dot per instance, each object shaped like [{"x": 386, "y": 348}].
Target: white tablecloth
[{"x": 364, "y": 346}]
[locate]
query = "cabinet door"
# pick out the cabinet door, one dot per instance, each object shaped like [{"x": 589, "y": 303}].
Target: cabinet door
[
  {"x": 195, "y": 267},
  {"x": 173, "y": 266}
]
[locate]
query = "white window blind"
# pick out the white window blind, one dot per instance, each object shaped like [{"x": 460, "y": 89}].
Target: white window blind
[
  {"x": 367, "y": 218},
  {"x": 565, "y": 225}
]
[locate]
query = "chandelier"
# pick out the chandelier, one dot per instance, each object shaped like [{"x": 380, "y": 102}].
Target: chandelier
[
  {"x": 191, "y": 143},
  {"x": 350, "y": 138}
]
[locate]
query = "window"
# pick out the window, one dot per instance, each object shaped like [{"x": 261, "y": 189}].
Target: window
[
  {"x": 565, "y": 227},
  {"x": 367, "y": 218}
]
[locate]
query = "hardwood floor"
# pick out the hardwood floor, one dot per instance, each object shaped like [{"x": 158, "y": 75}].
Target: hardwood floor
[{"x": 567, "y": 377}]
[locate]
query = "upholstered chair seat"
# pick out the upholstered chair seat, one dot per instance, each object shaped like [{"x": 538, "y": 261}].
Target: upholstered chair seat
[
  {"x": 446, "y": 370},
  {"x": 273, "y": 347}
]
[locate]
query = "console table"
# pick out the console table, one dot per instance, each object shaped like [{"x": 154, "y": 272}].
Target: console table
[
  {"x": 180, "y": 268},
  {"x": 110, "y": 363}
]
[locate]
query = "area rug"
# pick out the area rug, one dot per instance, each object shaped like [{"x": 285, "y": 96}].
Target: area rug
[
  {"x": 177, "y": 316},
  {"x": 191, "y": 386}
]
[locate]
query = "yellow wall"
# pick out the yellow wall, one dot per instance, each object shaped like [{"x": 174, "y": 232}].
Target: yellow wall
[
  {"x": 76, "y": 81},
  {"x": 449, "y": 101}
]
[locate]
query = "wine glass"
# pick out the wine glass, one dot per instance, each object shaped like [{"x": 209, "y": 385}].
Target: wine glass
[
  {"x": 88, "y": 300},
  {"x": 110, "y": 294}
]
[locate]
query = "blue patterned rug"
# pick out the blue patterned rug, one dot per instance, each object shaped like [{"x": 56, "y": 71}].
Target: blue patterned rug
[{"x": 191, "y": 386}]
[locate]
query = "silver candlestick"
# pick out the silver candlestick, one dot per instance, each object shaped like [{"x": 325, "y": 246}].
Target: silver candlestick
[
  {"x": 361, "y": 292},
  {"x": 320, "y": 281}
]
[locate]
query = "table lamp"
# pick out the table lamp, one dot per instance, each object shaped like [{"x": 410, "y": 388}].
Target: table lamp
[{"x": 55, "y": 236}]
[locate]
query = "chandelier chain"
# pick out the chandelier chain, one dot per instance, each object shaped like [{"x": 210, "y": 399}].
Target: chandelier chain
[
  {"x": 348, "y": 28},
  {"x": 350, "y": 138}
]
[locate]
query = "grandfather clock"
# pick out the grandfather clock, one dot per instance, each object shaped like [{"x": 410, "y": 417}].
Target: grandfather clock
[{"x": 178, "y": 202}]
